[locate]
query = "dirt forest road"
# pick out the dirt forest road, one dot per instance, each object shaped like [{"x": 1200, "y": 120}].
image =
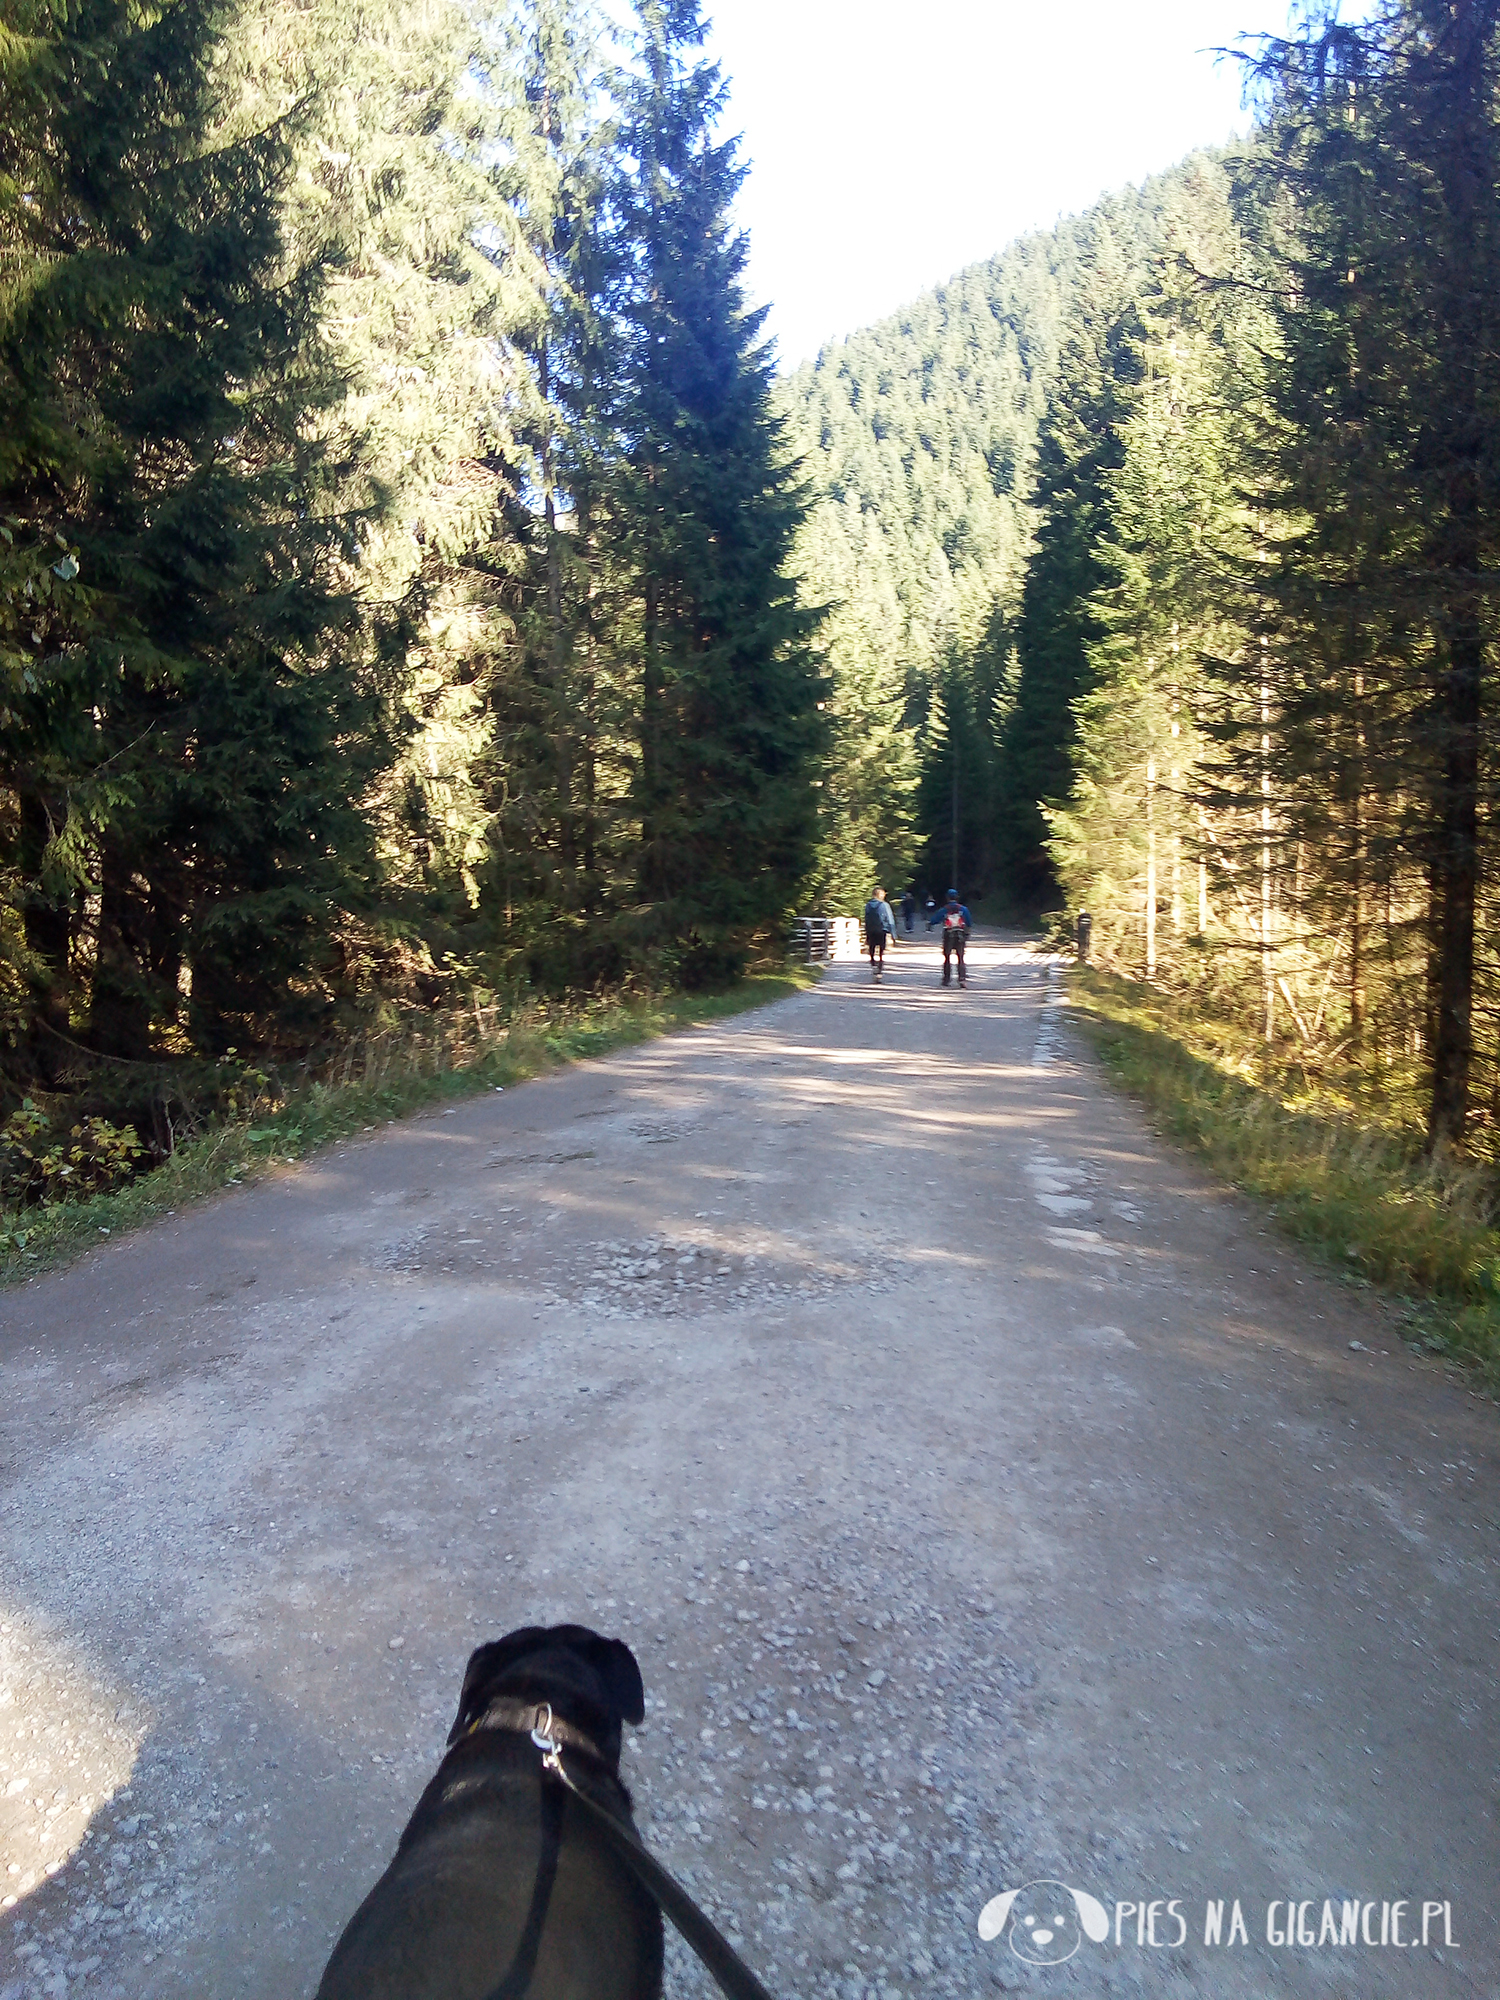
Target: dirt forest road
[{"x": 987, "y": 1496}]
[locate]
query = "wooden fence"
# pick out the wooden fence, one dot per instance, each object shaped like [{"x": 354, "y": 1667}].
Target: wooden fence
[{"x": 815, "y": 939}]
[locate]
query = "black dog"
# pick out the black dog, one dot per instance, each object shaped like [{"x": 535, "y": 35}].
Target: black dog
[{"x": 500, "y": 1886}]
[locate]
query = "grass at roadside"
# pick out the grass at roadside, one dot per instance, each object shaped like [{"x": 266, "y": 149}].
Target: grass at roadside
[
  {"x": 381, "y": 1079},
  {"x": 1357, "y": 1191}
]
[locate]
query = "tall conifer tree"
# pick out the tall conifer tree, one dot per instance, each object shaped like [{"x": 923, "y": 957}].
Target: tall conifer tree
[
  {"x": 558, "y": 766},
  {"x": 422, "y": 289},
  {"x": 1385, "y": 465},
  {"x": 1134, "y": 830},
  {"x": 729, "y": 686},
  {"x": 187, "y": 749}
]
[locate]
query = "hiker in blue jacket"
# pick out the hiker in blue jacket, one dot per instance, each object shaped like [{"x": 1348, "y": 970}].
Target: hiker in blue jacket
[
  {"x": 957, "y": 923},
  {"x": 880, "y": 925}
]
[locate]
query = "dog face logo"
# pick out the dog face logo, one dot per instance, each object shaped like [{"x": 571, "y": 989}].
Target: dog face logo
[{"x": 1048, "y": 1921}]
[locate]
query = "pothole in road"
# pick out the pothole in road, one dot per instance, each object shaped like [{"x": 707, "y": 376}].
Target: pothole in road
[
  {"x": 652, "y": 1277},
  {"x": 663, "y": 1276},
  {"x": 403, "y": 1253}
]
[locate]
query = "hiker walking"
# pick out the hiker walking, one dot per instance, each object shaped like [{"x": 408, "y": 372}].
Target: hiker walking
[
  {"x": 909, "y": 911},
  {"x": 957, "y": 923},
  {"x": 880, "y": 925}
]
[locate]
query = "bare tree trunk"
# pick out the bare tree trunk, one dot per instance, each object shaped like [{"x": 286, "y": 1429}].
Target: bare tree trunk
[
  {"x": 1151, "y": 868},
  {"x": 1460, "y": 307},
  {"x": 652, "y": 884},
  {"x": 47, "y": 924},
  {"x": 120, "y": 1003},
  {"x": 1357, "y": 871},
  {"x": 1176, "y": 830},
  {"x": 560, "y": 693},
  {"x": 1457, "y": 887},
  {"x": 1267, "y": 964},
  {"x": 591, "y": 723}
]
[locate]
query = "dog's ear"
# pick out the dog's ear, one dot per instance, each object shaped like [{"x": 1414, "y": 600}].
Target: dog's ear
[
  {"x": 1091, "y": 1914},
  {"x": 485, "y": 1662},
  {"x": 996, "y": 1914},
  {"x": 617, "y": 1668}
]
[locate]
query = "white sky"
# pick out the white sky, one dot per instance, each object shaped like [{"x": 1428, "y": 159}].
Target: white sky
[{"x": 890, "y": 145}]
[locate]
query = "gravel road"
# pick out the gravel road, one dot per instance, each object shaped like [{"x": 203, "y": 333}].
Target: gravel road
[{"x": 987, "y": 1496}]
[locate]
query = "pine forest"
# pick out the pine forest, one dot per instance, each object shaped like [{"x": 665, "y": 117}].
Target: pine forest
[{"x": 420, "y": 585}]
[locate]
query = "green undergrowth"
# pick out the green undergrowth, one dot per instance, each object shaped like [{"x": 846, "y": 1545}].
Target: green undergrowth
[
  {"x": 1357, "y": 1189},
  {"x": 376, "y": 1080}
]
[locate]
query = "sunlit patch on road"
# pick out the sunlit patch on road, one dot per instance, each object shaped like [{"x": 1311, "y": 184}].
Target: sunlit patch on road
[{"x": 69, "y": 1738}]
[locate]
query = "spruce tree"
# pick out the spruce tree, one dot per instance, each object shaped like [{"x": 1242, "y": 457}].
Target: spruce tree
[
  {"x": 1133, "y": 842},
  {"x": 1378, "y": 606},
  {"x": 557, "y": 694},
  {"x": 729, "y": 723},
  {"x": 187, "y": 746},
  {"x": 423, "y": 285}
]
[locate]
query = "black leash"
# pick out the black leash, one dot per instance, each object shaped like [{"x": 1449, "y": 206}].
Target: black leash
[
  {"x": 730, "y": 1972},
  {"x": 517, "y": 1981}
]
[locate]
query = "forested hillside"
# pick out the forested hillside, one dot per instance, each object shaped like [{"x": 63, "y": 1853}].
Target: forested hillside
[
  {"x": 941, "y": 445},
  {"x": 1162, "y": 553}
]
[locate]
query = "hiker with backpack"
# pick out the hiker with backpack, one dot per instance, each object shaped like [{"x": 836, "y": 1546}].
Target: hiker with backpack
[
  {"x": 880, "y": 925},
  {"x": 957, "y": 923}
]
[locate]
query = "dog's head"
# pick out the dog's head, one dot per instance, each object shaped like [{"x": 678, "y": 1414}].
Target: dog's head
[{"x": 591, "y": 1682}]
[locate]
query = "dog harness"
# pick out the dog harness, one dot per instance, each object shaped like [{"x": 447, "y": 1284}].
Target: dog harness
[{"x": 552, "y": 1736}]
